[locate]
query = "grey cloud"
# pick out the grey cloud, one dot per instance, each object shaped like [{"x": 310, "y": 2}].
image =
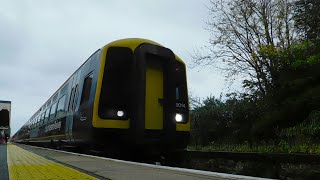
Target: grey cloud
[{"x": 10, "y": 42}]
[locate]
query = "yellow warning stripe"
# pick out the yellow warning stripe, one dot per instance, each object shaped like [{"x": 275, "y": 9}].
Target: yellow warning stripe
[{"x": 25, "y": 165}]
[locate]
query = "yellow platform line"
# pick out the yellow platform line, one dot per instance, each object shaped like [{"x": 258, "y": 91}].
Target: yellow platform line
[{"x": 25, "y": 165}]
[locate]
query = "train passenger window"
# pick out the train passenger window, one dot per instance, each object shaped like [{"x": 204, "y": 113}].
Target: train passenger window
[
  {"x": 116, "y": 84},
  {"x": 42, "y": 118},
  {"x": 48, "y": 103},
  {"x": 75, "y": 98},
  {"x": 53, "y": 111},
  {"x": 55, "y": 97},
  {"x": 46, "y": 116},
  {"x": 37, "y": 120},
  {"x": 60, "y": 108},
  {"x": 86, "y": 88},
  {"x": 71, "y": 98}
]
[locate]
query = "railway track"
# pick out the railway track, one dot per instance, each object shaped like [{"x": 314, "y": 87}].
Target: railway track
[
  {"x": 254, "y": 156},
  {"x": 267, "y": 165},
  {"x": 236, "y": 156}
]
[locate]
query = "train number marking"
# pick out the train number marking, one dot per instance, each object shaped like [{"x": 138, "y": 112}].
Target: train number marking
[{"x": 180, "y": 105}]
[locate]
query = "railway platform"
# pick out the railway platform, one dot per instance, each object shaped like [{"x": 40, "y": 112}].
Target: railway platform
[{"x": 19, "y": 161}]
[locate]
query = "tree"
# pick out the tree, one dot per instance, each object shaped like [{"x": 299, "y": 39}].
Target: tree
[
  {"x": 249, "y": 38},
  {"x": 307, "y": 19}
]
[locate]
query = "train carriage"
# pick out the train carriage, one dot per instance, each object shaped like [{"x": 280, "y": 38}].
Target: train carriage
[{"x": 132, "y": 93}]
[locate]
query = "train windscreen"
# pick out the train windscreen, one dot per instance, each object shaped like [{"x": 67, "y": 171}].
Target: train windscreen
[
  {"x": 114, "y": 97},
  {"x": 181, "y": 92}
]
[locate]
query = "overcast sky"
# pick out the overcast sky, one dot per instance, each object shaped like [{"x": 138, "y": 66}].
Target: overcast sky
[{"x": 43, "y": 42}]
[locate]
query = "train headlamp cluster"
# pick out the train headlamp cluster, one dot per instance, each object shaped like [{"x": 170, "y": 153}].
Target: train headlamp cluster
[
  {"x": 120, "y": 113},
  {"x": 179, "y": 118},
  {"x": 116, "y": 114}
]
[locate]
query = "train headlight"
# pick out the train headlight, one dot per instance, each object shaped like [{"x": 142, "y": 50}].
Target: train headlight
[
  {"x": 179, "y": 117},
  {"x": 120, "y": 113}
]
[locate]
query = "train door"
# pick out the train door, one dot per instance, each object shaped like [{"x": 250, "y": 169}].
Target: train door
[
  {"x": 69, "y": 118},
  {"x": 84, "y": 108},
  {"x": 155, "y": 93}
]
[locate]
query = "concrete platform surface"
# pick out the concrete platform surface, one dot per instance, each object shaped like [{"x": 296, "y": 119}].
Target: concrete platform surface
[
  {"x": 24, "y": 165},
  {"x": 3, "y": 162},
  {"x": 106, "y": 168}
]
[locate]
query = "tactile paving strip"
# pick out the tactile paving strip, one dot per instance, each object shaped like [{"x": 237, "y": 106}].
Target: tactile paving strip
[{"x": 26, "y": 165}]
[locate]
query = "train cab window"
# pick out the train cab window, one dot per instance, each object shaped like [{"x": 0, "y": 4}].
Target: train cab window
[
  {"x": 181, "y": 91},
  {"x": 53, "y": 111},
  {"x": 86, "y": 88},
  {"x": 60, "y": 108},
  {"x": 181, "y": 85},
  {"x": 116, "y": 84}
]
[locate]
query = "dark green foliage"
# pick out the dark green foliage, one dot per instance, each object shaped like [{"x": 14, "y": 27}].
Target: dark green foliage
[
  {"x": 307, "y": 131},
  {"x": 305, "y": 54},
  {"x": 298, "y": 90},
  {"x": 307, "y": 19},
  {"x": 208, "y": 121},
  {"x": 223, "y": 121}
]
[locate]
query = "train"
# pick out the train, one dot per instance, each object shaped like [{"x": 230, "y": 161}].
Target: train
[{"x": 128, "y": 96}]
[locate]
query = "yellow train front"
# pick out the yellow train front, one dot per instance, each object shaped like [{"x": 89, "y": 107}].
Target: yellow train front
[{"x": 129, "y": 95}]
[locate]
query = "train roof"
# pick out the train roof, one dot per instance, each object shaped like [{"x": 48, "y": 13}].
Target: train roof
[
  {"x": 131, "y": 42},
  {"x": 134, "y": 42}
]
